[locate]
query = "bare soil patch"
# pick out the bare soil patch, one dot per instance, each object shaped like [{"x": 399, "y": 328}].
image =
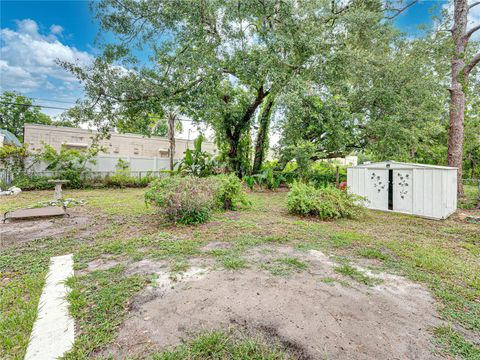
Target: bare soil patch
[
  {"x": 313, "y": 318},
  {"x": 79, "y": 224}
]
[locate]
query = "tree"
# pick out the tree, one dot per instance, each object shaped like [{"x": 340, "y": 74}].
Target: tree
[
  {"x": 463, "y": 62},
  {"x": 16, "y": 110},
  {"x": 402, "y": 99},
  {"x": 325, "y": 122},
  {"x": 261, "y": 143},
  {"x": 218, "y": 63}
]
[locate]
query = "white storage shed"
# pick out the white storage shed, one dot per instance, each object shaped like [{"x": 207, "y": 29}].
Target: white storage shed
[{"x": 423, "y": 190}]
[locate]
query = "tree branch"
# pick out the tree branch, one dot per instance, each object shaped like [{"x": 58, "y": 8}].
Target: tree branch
[
  {"x": 261, "y": 94},
  {"x": 399, "y": 11},
  {"x": 471, "y": 65},
  {"x": 473, "y": 5},
  {"x": 471, "y": 31}
]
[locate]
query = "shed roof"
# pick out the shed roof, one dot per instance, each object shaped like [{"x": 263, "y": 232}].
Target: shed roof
[
  {"x": 392, "y": 164},
  {"x": 10, "y": 139}
]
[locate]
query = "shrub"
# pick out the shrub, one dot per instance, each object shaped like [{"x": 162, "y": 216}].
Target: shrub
[
  {"x": 33, "y": 183},
  {"x": 191, "y": 200},
  {"x": 322, "y": 174},
  {"x": 69, "y": 164},
  {"x": 197, "y": 162},
  {"x": 186, "y": 200},
  {"x": 123, "y": 179},
  {"x": 229, "y": 194},
  {"x": 326, "y": 203}
]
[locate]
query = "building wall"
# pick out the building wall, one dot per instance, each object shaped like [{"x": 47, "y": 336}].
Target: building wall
[{"x": 118, "y": 145}]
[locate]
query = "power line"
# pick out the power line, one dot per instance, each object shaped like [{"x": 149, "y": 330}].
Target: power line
[
  {"x": 33, "y": 105},
  {"x": 51, "y": 100},
  {"x": 59, "y": 108},
  {"x": 44, "y": 99}
]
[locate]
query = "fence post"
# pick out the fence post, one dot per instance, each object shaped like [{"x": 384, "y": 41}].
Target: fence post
[
  {"x": 478, "y": 195},
  {"x": 337, "y": 176}
]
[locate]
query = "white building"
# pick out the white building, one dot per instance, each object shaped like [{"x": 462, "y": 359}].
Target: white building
[
  {"x": 142, "y": 153},
  {"x": 120, "y": 145},
  {"x": 423, "y": 190}
]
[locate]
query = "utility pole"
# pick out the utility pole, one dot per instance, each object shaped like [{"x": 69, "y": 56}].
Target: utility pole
[{"x": 171, "y": 117}]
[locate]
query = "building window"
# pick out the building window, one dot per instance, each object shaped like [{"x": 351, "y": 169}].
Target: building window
[{"x": 75, "y": 146}]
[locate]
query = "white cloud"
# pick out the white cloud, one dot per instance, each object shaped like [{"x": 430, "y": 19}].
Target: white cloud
[
  {"x": 56, "y": 29},
  {"x": 27, "y": 26},
  {"x": 27, "y": 58}
]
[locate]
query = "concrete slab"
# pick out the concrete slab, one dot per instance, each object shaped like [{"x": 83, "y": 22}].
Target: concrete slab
[
  {"x": 45, "y": 211},
  {"x": 53, "y": 331}
]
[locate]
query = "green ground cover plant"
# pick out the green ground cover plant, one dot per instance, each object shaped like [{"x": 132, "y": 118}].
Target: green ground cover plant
[
  {"x": 218, "y": 345},
  {"x": 98, "y": 302},
  {"x": 324, "y": 203}
]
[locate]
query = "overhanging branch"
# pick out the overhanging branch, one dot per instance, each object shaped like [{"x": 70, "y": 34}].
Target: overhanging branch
[
  {"x": 473, "y": 5},
  {"x": 471, "y": 31},
  {"x": 475, "y": 60},
  {"x": 400, "y": 10}
]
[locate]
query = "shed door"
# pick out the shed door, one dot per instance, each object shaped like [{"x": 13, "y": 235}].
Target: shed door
[
  {"x": 402, "y": 191},
  {"x": 378, "y": 189}
]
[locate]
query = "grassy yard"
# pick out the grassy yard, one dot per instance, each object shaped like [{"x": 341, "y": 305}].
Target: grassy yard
[{"x": 442, "y": 255}]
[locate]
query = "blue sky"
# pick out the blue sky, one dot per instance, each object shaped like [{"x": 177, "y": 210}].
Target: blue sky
[{"x": 35, "y": 33}]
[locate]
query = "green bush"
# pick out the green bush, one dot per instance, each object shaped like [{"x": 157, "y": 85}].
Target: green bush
[
  {"x": 326, "y": 203},
  {"x": 322, "y": 174},
  {"x": 186, "y": 200},
  {"x": 69, "y": 164},
  {"x": 33, "y": 183},
  {"x": 123, "y": 179},
  {"x": 191, "y": 200},
  {"x": 318, "y": 173},
  {"x": 229, "y": 194},
  {"x": 197, "y": 162}
]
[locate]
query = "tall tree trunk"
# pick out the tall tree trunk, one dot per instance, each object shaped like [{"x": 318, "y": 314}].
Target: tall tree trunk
[
  {"x": 235, "y": 131},
  {"x": 457, "y": 95},
  {"x": 171, "y": 116},
  {"x": 233, "y": 139},
  {"x": 261, "y": 143}
]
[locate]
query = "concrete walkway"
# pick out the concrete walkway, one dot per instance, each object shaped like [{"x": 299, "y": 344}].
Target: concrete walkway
[{"x": 53, "y": 331}]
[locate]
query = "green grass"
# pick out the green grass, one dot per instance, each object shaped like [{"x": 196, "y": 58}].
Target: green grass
[
  {"x": 127, "y": 202},
  {"x": 470, "y": 200},
  {"x": 345, "y": 239},
  {"x": 454, "y": 344},
  {"x": 371, "y": 253},
  {"x": 284, "y": 266},
  {"x": 232, "y": 262},
  {"x": 219, "y": 345},
  {"x": 23, "y": 271},
  {"x": 18, "y": 311},
  {"x": 355, "y": 274},
  {"x": 98, "y": 302},
  {"x": 179, "y": 267},
  {"x": 442, "y": 255}
]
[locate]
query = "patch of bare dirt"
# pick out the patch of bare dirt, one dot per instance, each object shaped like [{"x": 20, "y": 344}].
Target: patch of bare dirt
[
  {"x": 216, "y": 245},
  {"x": 100, "y": 264},
  {"x": 313, "y": 318},
  {"x": 79, "y": 224}
]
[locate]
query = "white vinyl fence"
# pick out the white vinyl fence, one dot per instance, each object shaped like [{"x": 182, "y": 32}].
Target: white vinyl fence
[{"x": 106, "y": 165}]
